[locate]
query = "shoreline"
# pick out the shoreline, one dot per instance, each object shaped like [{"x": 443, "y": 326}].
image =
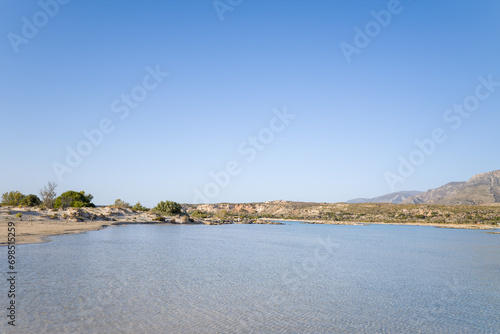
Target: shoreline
[
  {"x": 36, "y": 226},
  {"x": 33, "y": 225},
  {"x": 42, "y": 231},
  {"x": 360, "y": 223}
]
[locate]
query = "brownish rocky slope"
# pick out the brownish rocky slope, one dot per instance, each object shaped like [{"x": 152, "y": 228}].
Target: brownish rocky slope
[{"x": 480, "y": 189}]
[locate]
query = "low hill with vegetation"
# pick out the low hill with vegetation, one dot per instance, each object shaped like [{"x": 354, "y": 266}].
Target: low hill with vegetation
[{"x": 360, "y": 212}]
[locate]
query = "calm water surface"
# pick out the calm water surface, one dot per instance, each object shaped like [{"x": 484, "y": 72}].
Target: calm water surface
[{"x": 294, "y": 278}]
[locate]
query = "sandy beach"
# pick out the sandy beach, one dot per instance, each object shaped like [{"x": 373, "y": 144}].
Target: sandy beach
[{"x": 35, "y": 225}]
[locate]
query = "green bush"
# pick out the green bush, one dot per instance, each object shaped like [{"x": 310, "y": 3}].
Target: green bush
[
  {"x": 159, "y": 219},
  {"x": 74, "y": 199},
  {"x": 31, "y": 200},
  {"x": 420, "y": 216},
  {"x": 12, "y": 198},
  {"x": 139, "y": 207},
  {"x": 19, "y": 215},
  {"x": 168, "y": 208},
  {"x": 121, "y": 204},
  {"x": 199, "y": 214},
  {"x": 222, "y": 214}
]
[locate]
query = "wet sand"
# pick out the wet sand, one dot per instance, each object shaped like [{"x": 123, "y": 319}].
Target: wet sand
[{"x": 40, "y": 231}]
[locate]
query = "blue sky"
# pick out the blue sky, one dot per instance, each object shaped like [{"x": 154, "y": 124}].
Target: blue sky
[{"x": 353, "y": 120}]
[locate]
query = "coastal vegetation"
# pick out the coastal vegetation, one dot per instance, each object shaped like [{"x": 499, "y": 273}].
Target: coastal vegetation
[
  {"x": 12, "y": 198},
  {"x": 121, "y": 204},
  {"x": 488, "y": 214},
  {"x": 16, "y": 198},
  {"x": 74, "y": 199},
  {"x": 30, "y": 200},
  {"x": 199, "y": 214},
  {"x": 48, "y": 194},
  {"x": 168, "y": 208},
  {"x": 330, "y": 213},
  {"x": 40, "y": 221},
  {"x": 139, "y": 207},
  {"x": 124, "y": 205}
]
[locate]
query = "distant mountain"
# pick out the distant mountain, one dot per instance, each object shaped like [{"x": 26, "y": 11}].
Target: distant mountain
[
  {"x": 480, "y": 189},
  {"x": 394, "y": 198}
]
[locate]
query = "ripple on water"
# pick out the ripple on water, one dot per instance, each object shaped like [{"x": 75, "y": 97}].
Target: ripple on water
[{"x": 229, "y": 279}]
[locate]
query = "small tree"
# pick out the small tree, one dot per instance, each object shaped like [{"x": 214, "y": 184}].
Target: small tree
[
  {"x": 168, "y": 208},
  {"x": 139, "y": 207},
  {"x": 48, "y": 195},
  {"x": 31, "y": 200},
  {"x": 12, "y": 198},
  {"x": 78, "y": 199},
  {"x": 88, "y": 198}
]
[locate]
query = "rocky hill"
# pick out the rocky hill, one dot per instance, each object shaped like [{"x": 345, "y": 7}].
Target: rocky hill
[
  {"x": 480, "y": 189},
  {"x": 488, "y": 214},
  {"x": 394, "y": 198}
]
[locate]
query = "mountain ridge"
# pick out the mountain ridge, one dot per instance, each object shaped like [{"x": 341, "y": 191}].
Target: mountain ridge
[
  {"x": 483, "y": 188},
  {"x": 394, "y": 198}
]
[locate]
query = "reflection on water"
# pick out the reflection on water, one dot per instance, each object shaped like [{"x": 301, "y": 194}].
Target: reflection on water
[{"x": 261, "y": 278}]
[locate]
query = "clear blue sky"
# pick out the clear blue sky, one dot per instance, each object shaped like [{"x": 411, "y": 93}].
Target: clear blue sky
[{"x": 353, "y": 119}]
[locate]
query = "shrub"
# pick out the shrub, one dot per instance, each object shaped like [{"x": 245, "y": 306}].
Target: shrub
[
  {"x": 222, "y": 214},
  {"x": 31, "y": 200},
  {"x": 74, "y": 199},
  {"x": 159, "y": 219},
  {"x": 139, "y": 207},
  {"x": 65, "y": 202},
  {"x": 121, "y": 204},
  {"x": 12, "y": 198},
  {"x": 168, "y": 208},
  {"x": 199, "y": 214},
  {"x": 420, "y": 216},
  {"x": 19, "y": 215}
]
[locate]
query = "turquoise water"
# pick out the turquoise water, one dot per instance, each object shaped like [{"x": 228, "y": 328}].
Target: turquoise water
[{"x": 292, "y": 278}]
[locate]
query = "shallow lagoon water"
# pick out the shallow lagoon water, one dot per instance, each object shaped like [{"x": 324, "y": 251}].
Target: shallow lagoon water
[{"x": 293, "y": 278}]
